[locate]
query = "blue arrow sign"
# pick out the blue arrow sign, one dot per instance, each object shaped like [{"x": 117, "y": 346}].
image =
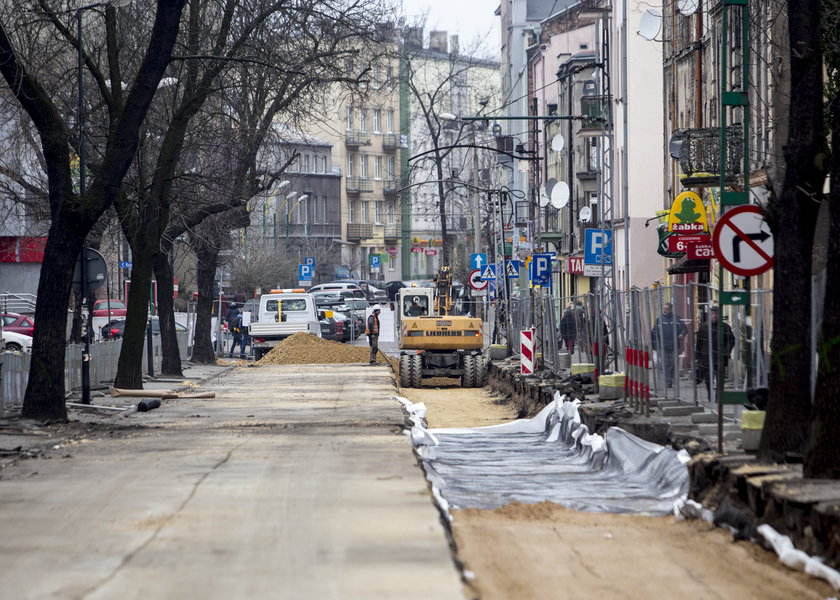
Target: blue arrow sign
[
  {"x": 305, "y": 272},
  {"x": 478, "y": 261},
  {"x": 125, "y": 264},
  {"x": 488, "y": 273},
  {"x": 512, "y": 269}
]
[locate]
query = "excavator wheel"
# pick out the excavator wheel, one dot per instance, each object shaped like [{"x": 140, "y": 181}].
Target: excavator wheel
[
  {"x": 416, "y": 371},
  {"x": 405, "y": 370},
  {"x": 468, "y": 378},
  {"x": 480, "y": 371}
]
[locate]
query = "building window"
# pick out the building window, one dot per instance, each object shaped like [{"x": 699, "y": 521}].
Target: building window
[
  {"x": 389, "y": 76},
  {"x": 351, "y": 211},
  {"x": 363, "y": 114},
  {"x": 351, "y": 158},
  {"x": 363, "y": 170},
  {"x": 391, "y": 214},
  {"x": 377, "y": 120},
  {"x": 378, "y": 211},
  {"x": 363, "y": 218},
  {"x": 306, "y": 163},
  {"x": 389, "y": 121},
  {"x": 392, "y": 263},
  {"x": 349, "y": 118},
  {"x": 392, "y": 168},
  {"x": 592, "y": 158},
  {"x": 377, "y": 167}
]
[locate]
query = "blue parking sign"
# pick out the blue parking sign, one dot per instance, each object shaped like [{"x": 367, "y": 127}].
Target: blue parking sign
[
  {"x": 309, "y": 260},
  {"x": 305, "y": 272},
  {"x": 541, "y": 270},
  {"x": 598, "y": 248},
  {"x": 375, "y": 260}
]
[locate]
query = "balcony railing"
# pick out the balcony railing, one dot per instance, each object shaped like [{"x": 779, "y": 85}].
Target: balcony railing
[
  {"x": 356, "y": 185},
  {"x": 598, "y": 111},
  {"x": 390, "y": 186},
  {"x": 359, "y": 231},
  {"x": 700, "y": 154},
  {"x": 392, "y": 231},
  {"x": 357, "y": 138},
  {"x": 391, "y": 141}
]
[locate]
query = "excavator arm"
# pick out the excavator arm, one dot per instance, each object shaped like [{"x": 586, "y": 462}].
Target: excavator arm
[{"x": 443, "y": 286}]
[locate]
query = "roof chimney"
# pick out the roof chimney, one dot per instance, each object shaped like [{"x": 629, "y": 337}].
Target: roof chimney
[{"x": 437, "y": 41}]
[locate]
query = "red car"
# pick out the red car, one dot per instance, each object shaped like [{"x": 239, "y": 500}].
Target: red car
[
  {"x": 100, "y": 308},
  {"x": 18, "y": 323}
]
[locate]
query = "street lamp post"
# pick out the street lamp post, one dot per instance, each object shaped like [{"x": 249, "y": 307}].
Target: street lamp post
[{"x": 80, "y": 59}]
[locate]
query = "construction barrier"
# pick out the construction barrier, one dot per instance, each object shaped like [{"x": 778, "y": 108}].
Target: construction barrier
[{"x": 526, "y": 351}]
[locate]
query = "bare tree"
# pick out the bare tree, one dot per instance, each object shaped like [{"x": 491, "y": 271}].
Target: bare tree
[{"x": 34, "y": 84}]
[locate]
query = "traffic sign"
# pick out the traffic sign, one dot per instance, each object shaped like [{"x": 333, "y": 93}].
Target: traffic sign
[
  {"x": 599, "y": 248},
  {"x": 95, "y": 271},
  {"x": 541, "y": 269},
  {"x": 478, "y": 261},
  {"x": 305, "y": 272},
  {"x": 742, "y": 241},
  {"x": 309, "y": 260},
  {"x": 488, "y": 272},
  {"x": 475, "y": 281},
  {"x": 124, "y": 264},
  {"x": 375, "y": 260},
  {"x": 512, "y": 269}
]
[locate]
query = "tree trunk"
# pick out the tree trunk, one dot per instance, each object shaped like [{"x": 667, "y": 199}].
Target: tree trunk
[
  {"x": 171, "y": 355},
  {"x": 130, "y": 365},
  {"x": 44, "y": 398},
  {"x": 207, "y": 259},
  {"x": 822, "y": 459},
  {"x": 793, "y": 216}
]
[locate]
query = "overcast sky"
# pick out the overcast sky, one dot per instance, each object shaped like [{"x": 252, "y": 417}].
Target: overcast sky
[{"x": 469, "y": 19}]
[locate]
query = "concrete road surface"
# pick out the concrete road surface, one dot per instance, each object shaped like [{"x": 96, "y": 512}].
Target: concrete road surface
[{"x": 295, "y": 482}]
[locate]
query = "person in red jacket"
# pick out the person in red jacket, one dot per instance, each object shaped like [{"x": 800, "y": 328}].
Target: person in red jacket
[{"x": 373, "y": 332}]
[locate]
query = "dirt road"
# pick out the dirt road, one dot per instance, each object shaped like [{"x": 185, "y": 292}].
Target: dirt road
[{"x": 545, "y": 551}]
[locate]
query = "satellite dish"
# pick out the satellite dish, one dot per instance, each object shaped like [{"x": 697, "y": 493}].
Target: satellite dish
[
  {"x": 650, "y": 24},
  {"x": 549, "y": 186},
  {"x": 585, "y": 214},
  {"x": 688, "y": 7},
  {"x": 560, "y": 195},
  {"x": 558, "y": 143},
  {"x": 544, "y": 199}
]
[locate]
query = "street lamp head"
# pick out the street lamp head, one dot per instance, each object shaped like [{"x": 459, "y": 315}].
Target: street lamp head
[
  {"x": 447, "y": 117},
  {"x": 283, "y": 185},
  {"x": 303, "y": 198},
  {"x": 291, "y": 196}
]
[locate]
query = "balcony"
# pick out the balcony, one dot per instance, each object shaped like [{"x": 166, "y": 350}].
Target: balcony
[
  {"x": 357, "y": 185},
  {"x": 598, "y": 113},
  {"x": 359, "y": 231},
  {"x": 699, "y": 152},
  {"x": 391, "y": 141},
  {"x": 392, "y": 231},
  {"x": 390, "y": 187},
  {"x": 356, "y": 138}
]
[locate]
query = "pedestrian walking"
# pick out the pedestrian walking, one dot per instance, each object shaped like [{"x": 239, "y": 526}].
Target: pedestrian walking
[
  {"x": 667, "y": 338},
  {"x": 702, "y": 349},
  {"x": 372, "y": 332},
  {"x": 568, "y": 328},
  {"x": 235, "y": 327}
]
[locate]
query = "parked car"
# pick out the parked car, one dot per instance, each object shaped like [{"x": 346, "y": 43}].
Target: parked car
[
  {"x": 17, "y": 342},
  {"x": 392, "y": 287},
  {"x": 354, "y": 325},
  {"x": 109, "y": 308},
  {"x": 329, "y": 329},
  {"x": 334, "y": 286},
  {"x": 115, "y": 329},
  {"x": 18, "y": 323}
]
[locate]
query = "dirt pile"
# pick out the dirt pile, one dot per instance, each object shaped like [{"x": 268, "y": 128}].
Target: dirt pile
[{"x": 307, "y": 349}]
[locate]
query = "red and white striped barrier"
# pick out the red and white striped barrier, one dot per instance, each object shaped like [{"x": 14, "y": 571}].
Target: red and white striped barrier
[
  {"x": 526, "y": 351},
  {"x": 637, "y": 380}
]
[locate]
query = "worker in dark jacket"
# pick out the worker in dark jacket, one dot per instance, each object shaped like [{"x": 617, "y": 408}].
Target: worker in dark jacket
[
  {"x": 373, "y": 332},
  {"x": 702, "y": 349}
]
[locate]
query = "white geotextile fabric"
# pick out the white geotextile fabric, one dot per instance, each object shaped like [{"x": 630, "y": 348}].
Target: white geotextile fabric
[{"x": 553, "y": 457}]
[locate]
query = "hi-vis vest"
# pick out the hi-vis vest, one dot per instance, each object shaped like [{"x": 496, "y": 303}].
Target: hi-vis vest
[{"x": 372, "y": 325}]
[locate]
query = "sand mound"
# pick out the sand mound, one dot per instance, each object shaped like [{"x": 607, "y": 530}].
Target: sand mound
[{"x": 306, "y": 349}]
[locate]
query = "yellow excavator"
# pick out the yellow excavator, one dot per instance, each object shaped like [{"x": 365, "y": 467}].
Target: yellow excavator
[{"x": 433, "y": 341}]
